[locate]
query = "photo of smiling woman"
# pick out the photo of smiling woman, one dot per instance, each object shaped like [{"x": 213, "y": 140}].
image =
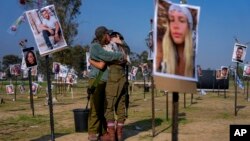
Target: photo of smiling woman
[{"x": 178, "y": 43}]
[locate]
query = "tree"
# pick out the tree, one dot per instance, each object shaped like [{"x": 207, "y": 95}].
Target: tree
[
  {"x": 78, "y": 58},
  {"x": 9, "y": 60}
]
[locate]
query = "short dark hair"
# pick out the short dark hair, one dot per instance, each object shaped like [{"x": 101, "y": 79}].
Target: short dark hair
[
  {"x": 44, "y": 9},
  {"x": 101, "y": 31},
  {"x": 240, "y": 48},
  {"x": 224, "y": 68},
  {"x": 114, "y": 34}
]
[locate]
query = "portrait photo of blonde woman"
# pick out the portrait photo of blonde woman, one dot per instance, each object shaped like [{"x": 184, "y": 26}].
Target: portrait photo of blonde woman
[{"x": 176, "y": 40}]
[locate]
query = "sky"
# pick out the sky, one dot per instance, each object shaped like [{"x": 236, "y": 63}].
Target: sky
[{"x": 220, "y": 23}]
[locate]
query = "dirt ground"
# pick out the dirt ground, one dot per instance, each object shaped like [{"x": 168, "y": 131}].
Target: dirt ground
[{"x": 205, "y": 117}]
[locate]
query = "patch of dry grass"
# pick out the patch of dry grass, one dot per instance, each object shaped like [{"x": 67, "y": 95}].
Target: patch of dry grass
[{"x": 207, "y": 118}]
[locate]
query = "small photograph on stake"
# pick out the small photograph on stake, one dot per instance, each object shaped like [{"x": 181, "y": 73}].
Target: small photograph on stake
[
  {"x": 15, "y": 69},
  {"x": 224, "y": 72},
  {"x": 34, "y": 71},
  {"x": 46, "y": 29},
  {"x": 22, "y": 89},
  {"x": 246, "y": 71},
  {"x": 239, "y": 53},
  {"x": 34, "y": 88},
  {"x": 10, "y": 89},
  {"x": 176, "y": 40},
  {"x": 150, "y": 44},
  {"x": 30, "y": 57},
  {"x": 218, "y": 74},
  {"x": 56, "y": 67},
  {"x": 199, "y": 70}
]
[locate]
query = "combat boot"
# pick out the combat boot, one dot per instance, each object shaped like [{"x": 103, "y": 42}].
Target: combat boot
[
  {"x": 119, "y": 131},
  {"x": 110, "y": 134}
]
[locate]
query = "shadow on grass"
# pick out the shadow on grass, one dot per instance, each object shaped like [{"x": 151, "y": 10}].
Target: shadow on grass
[
  {"x": 194, "y": 103},
  {"x": 135, "y": 128},
  {"x": 239, "y": 107},
  {"x": 48, "y": 137},
  {"x": 18, "y": 109},
  {"x": 199, "y": 98}
]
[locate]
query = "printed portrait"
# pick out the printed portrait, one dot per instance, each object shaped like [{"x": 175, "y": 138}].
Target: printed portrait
[
  {"x": 224, "y": 72},
  {"x": 22, "y": 89},
  {"x": 15, "y": 69},
  {"x": 10, "y": 89},
  {"x": 34, "y": 71},
  {"x": 34, "y": 88},
  {"x": 56, "y": 67},
  {"x": 239, "y": 53},
  {"x": 40, "y": 77},
  {"x": 29, "y": 57},
  {"x": 46, "y": 30},
  {"x": 63, "y": 71},
  {"x": 25, "y": 73},
  {"x": 246, "y": 70},
  {"x": 176, "y": 30},
  {"x": 218, "y": 74},
  {"x": 150, "y": 44},
  {"x": 70, "y": 78}
]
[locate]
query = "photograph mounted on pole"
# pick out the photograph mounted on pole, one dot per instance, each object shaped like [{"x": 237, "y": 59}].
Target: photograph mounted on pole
[
  {"x": 46, "y": 30},
  {"x": 239, "y": 53},
  {"x": 175, "y": 45},
  {"x": 30, "y": 57}
]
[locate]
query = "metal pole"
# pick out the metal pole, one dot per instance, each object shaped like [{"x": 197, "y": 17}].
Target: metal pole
[
  {"x": 175, "y": 116},
  {"x": 50, "y": 100},
  {"x": 31, "y": 93}
]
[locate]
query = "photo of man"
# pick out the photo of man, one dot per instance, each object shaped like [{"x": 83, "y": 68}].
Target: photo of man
[
  {"x": 239, "y": 53},
  {"x": 224, "y": 72},
  {"x": 46, "y": 29}
]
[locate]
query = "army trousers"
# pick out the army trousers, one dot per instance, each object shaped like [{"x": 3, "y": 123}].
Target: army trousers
[{"x": 96, "y": 119}]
